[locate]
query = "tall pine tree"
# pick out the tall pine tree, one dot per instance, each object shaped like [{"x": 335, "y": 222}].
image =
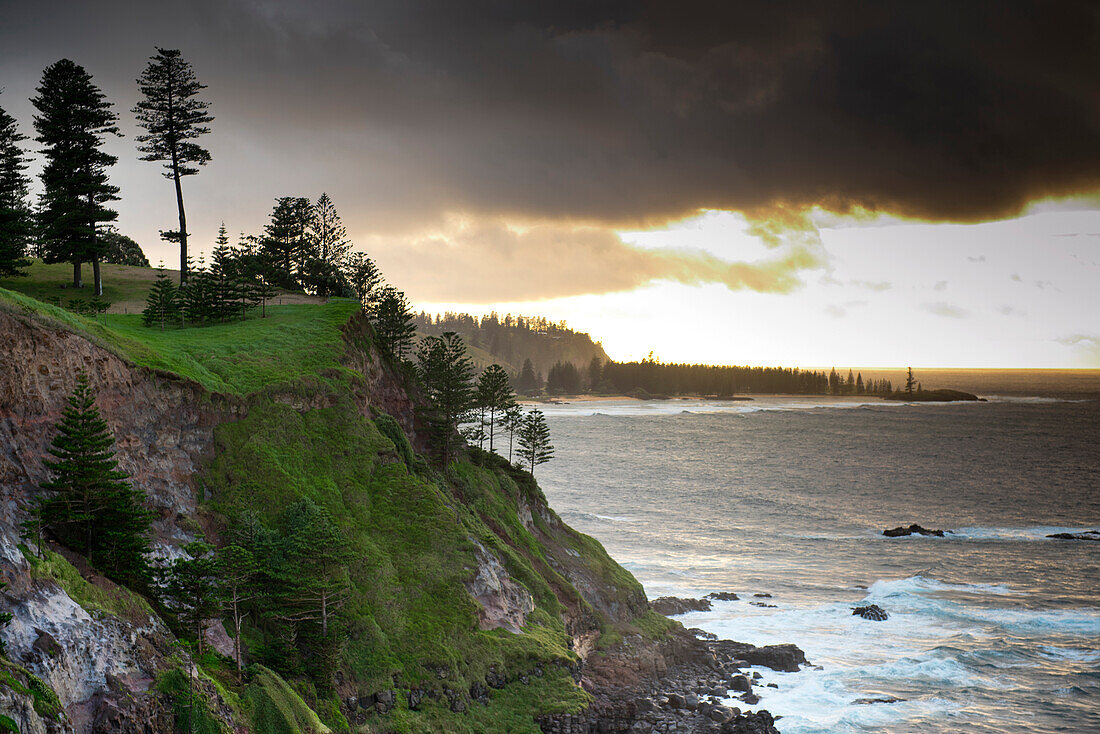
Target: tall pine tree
[
  {"x": 446, "y": 373},
  {"x": 91, "y": 506},
  {"x": 494, "y": 392},
  {"x": 330, "y": 245},
  {"x": 173, "y": 117},
  {"x": 72, "y": 122},
  {"x": 15, "y": 220},
  {"x": 393, "y": 322},
  {"x": 287, "y": 242},
  {"x": 534, "y": 440}
]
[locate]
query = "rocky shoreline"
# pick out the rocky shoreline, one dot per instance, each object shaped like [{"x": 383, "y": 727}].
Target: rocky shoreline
[{"x": 676, "y": 686}]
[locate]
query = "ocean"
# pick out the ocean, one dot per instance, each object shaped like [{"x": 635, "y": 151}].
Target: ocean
[{"x": 993, "y": 628}]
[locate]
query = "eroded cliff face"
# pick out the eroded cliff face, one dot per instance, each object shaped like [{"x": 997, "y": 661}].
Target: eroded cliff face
[
  {"x": 163, "y": 427},
  {"x": 164, "y": 430},
  {"x": 102, "y": 665}
]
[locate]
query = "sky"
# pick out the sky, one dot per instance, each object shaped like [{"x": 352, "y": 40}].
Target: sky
[{"x": 776, "y": 183}]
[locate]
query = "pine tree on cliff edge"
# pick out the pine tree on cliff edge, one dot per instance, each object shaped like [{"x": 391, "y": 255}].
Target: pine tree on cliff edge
[
  {"x": 73, "y": 120},
  {"x": 15, "y": 221},
  {"x": 173, "y": 118},
  {"x": 93, "y": 508},
  {"x": 534, "y": 440}
]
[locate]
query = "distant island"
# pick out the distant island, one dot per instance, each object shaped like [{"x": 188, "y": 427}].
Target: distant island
[
  {"x": 913, "y": 393},
  {"x": 934, "y": 396}
]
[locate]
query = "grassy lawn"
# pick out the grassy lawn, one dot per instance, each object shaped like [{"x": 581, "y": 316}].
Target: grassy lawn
[
  {"x": 124, "y": 286},
  {"x": 238, "y": 358}
]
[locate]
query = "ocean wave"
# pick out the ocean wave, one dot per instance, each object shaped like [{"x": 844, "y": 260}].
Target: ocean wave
[
  {"x": 1035, "y": 532},
  {"x": 594, "y": 516},
  {"x": 1031, "y": 399},
  {"x": 919, "y": 583}
]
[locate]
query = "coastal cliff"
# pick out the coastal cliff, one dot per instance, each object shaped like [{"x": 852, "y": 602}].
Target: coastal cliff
[{"x": 473, "y": 607}]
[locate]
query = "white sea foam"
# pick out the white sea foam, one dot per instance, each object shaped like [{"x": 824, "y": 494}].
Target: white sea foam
[
  {"x": 1035, "y": 532},
  {"x": 941, "y": 641}
]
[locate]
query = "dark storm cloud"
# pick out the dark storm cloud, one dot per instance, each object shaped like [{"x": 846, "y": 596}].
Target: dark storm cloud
[
  {"x": 603, "y": 113},
  {"x": 612, "y": 111}
]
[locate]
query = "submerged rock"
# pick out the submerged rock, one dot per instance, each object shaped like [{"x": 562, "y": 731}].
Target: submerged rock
[
  {"x": 670, "y": 606},
  {"x": 722, "y": 596},
  {"x": 868, "y": 701},
  {"x": 1087, "y": 535},
  {"x": 872, "y": 611},
  {"x": 902, "y": 531}
]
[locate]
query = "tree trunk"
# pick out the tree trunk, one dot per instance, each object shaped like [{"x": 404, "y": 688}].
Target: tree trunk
[
  {"x": 183, "y": 220},
  {"x": 324, "y": 615},
  {"x": 77, "y": 281},
  {"x": 97, "y": 279},
  {"x": 237, "y": 629}
]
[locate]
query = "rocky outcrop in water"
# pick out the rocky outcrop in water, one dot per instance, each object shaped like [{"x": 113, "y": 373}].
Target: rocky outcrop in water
[
  {"x": 1086, "y": 535},
  {"x": 902, "y": 531},
  {"x": 869, "y": 701},
  {"x": 679, "y": 686},
  {"x": 671, "y": 606},
  {"x": 872, "y": 611}
]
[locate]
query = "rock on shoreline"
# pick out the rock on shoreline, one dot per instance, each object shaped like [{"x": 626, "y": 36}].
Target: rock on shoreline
[
  {"x": 671, "y": 606},
  {"x": 678, "y": 686}
]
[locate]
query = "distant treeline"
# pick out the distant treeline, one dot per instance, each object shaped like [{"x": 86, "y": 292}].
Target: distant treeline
[
  {"x": 652, "y": 377},
  {"x": 512, "y": 340}
]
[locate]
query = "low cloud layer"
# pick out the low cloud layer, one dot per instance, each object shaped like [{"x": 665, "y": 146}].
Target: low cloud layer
[
  {"x": 946, "y": 310},
  {"x": 479, "y": 261}
]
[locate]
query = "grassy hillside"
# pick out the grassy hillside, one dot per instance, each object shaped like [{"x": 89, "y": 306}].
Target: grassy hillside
[
  {"x": 235, "y": 358},
  {"x": 412, "y": 628},
  {"x": 124, "y": 286}
]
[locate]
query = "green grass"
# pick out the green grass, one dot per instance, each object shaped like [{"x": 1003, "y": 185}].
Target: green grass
[
  {"x": 275, "y": 708},
  {"x": 412, "y": 530},
  {"x": 409, "y": 613},
  {"x": 122, "y": 284},
  {"x": 236, "y": 358},
  {"x": 109, "y": 599},
  {"x": 192, "y": 710}
]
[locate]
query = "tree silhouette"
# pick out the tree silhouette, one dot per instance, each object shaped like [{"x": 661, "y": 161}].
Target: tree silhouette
[
  {"x": 393, "y": 322},
  {"x": 331, "y": 246},
  {"x": 446, "y": 373},
  {"x": 173, "y": 117},
  {"x": 528, "y": 382},
  {"x": 534, "y": 440},
  {"x": 363, "y": 276},
  {"x": 73, "y": 119},
  {"x": 15, "y": 220},
  {"x": 119, "y": 249},
  {"x": 286, "y": 240},
  {"x": 494, "y": 393}
]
